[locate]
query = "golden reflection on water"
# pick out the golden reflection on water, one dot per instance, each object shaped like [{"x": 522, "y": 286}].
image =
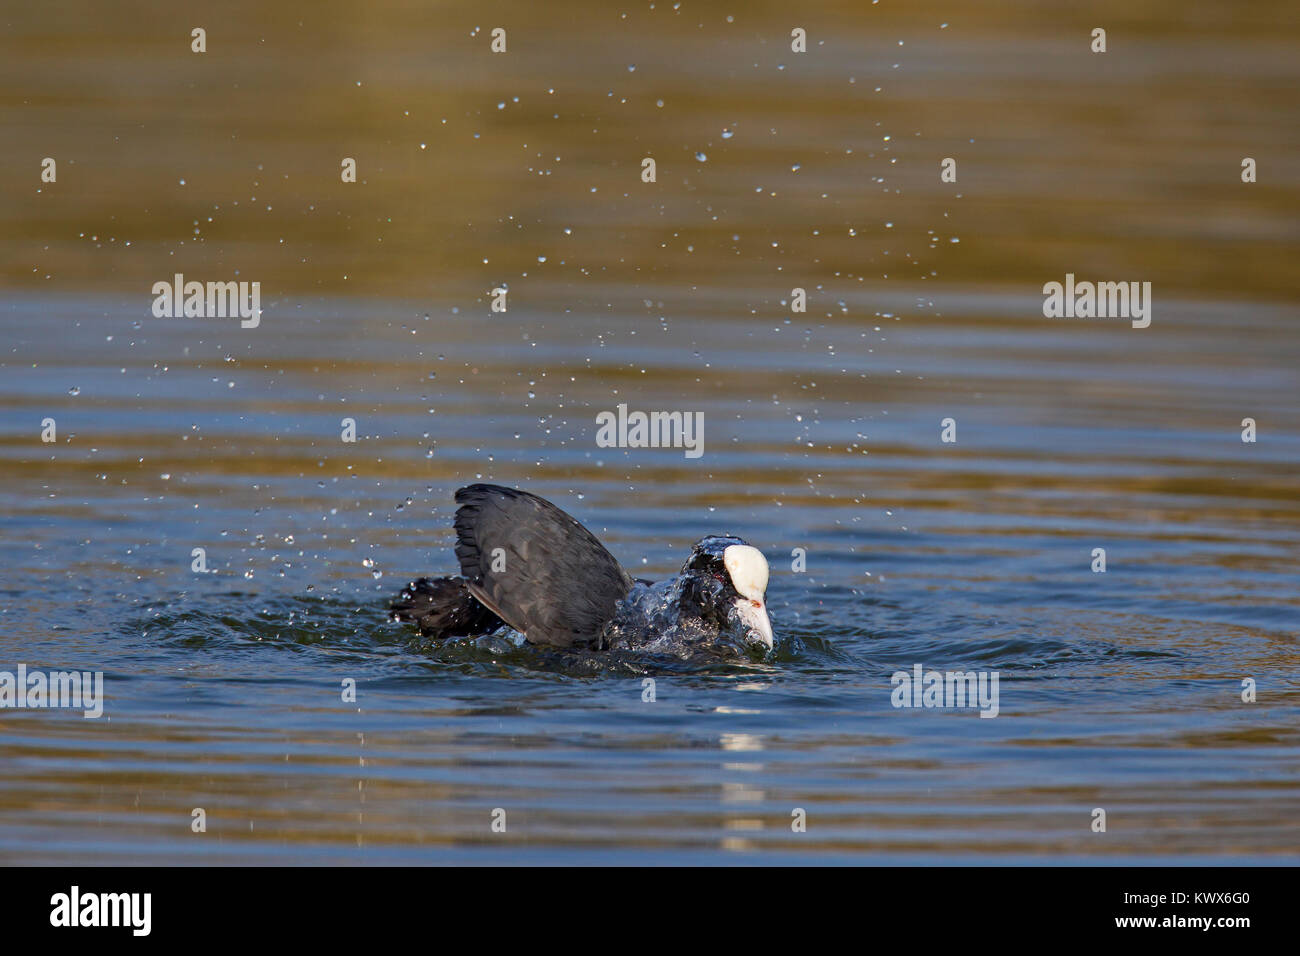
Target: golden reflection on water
[{"x": 823, "y": 166}]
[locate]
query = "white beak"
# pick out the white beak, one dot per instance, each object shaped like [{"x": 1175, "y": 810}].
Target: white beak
[{"x": 753, "y": 614}]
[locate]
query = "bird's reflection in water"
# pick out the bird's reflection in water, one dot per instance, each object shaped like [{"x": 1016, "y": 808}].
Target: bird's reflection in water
[{"x": 740, "y": 791}]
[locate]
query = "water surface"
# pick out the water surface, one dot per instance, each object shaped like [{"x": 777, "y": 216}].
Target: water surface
[{"x": 822, "y": 430}]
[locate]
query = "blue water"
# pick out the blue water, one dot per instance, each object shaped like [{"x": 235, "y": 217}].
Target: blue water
[{"x": 1118, "y": 690}]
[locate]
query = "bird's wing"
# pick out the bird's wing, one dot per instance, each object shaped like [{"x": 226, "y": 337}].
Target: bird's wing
[{"x": 536, "y": 567}]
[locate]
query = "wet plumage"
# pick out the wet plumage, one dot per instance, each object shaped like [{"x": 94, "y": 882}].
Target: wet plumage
[{"x": 528, "y": 565}]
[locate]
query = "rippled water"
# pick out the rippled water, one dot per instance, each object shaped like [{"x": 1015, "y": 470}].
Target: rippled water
[{"x": 1119, "y": 690}]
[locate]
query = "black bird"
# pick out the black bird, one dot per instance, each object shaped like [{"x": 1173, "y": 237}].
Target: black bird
[{"x": 526, "y": 564}]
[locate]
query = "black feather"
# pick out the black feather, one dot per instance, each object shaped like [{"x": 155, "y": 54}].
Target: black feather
[
  {"x": 536, "y": 567},
  {"x": 443, "y": 607}
]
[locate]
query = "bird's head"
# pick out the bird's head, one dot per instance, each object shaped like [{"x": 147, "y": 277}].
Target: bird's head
[{"x": 728, "y": 582}]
